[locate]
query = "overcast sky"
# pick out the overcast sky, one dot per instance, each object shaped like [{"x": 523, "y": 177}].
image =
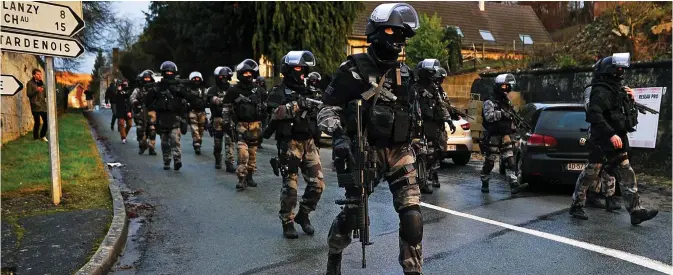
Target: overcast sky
[{"x": 127, "y": 9}]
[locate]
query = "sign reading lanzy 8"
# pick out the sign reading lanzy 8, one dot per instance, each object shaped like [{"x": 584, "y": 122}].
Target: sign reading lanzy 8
[{"x": 48, "y": 18}]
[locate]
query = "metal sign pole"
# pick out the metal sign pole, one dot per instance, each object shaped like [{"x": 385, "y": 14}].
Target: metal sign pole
[{"x": 52, "y": 120}]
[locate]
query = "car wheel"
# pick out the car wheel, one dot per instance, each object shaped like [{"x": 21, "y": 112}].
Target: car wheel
[{"x": 462, "y": 160}]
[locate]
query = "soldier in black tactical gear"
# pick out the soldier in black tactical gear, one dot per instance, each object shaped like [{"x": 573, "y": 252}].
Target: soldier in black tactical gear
[
  {"x": 382, "y": 84},
  {"x": 608, "y": 108},
  {"x": 295, "y": 125},
  {"x": 197, "y": 112},
  {"x": 432, "y": 113},
  {"x": 261, "y": 83},
  {"x": 247, "y": 113},
  {"x": 500, "y": 127},
  {"x": 168, "y": 98},
  {"x": 313, "y": 84},
  {"x": 145, "y": 116},
  {"x": 221, "y": 119}
]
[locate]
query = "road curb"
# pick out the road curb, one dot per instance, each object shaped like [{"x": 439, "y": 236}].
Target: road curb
[{"x": 114, "y": 241}]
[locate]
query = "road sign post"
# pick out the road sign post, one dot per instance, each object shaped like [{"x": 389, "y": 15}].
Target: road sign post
[
  {"x": 10, "y": 85},
  {"x": 52, "y": 121}
]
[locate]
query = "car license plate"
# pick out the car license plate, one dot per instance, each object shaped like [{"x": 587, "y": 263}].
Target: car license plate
[
  {"x": 575, "y": 166},
  {"x": 451, "y": 148}
]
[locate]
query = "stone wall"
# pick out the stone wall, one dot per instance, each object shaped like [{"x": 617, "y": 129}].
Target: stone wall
[{"x": 16, "y": 116}]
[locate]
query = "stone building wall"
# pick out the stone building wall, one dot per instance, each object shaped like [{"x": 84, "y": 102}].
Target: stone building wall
[{"x": 16, "y": 116}]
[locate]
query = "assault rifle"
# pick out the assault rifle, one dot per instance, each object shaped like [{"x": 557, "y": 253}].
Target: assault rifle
[
  {"x": 458, "y": 112},
  {"x": 518, "y": 121},
  {"x": 358, "y": 173}
]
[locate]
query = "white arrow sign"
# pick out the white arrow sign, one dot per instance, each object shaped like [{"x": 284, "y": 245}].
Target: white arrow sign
[
  {"x": 40, "y": 45},
  {"x": 41, "y": 17},
  {"x": 9, "y": 85}
]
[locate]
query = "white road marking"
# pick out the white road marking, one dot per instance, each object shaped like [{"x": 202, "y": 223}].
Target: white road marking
[{"x": 639, "y": 260}]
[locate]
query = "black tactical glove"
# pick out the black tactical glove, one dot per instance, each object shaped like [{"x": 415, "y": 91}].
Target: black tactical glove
[
  {"x": 341, "y": 146},
  {"x": 302, "y": 103},
  {"x": 451, "y": 126}
]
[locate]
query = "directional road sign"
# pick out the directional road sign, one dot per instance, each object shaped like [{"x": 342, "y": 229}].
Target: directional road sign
[
  {"x": 41, "y": 45},
  {"x": 9, "y": 85},
  {"x": 41, "y": 17}
]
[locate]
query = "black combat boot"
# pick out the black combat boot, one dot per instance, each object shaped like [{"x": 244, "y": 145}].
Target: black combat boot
[
  {"x": 593, "y": 201},
  {"x": 142, "y": 150},
  {"x": 412, "y": 273},
  {"x": 435, "y": 180},
  {"x": 577, "y": 211},
  {"x": 611, "y": 203},
  {"x": 152, "y": 152},
  {"x": 242, "y": 184},
  {"x": 177, "y": 166},
  {"x": 304, "y": 222},
  {"x": 516, "y": 187},
  {"x": 230, "y": 167},
  {"x": 249, "y": 179},
  {"x": 197, "y": 148},
  {"x": 289, "y": 232},
  {"x": 484, "y": 186},
  {"x": 167, "y": 165},
  {"x": 218, "y": 162},
  {"x": 426, "y": 189},
  {"x": 639, "y": 216},
  {"x": 333, "y": 264}
]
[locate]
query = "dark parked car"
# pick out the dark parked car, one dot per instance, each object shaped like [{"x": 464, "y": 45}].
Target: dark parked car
[{"x": 556, "y": 150}]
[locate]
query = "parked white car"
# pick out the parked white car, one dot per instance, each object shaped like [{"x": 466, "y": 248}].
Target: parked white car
[{"x": 459, "y": 144}]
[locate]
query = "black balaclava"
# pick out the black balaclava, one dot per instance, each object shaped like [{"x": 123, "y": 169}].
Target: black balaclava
[
  {"x": 222, "y": 82},
  {"x": 386, "y": 48},
  {"x": 295, "y": 79}
]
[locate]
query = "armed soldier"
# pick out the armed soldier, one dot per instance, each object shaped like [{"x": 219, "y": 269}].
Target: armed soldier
[
  {"x": 499, "y": 124},
  {"x": 375, "y": 84},
  {"x": 612, "y": 112},
  {"x": 432, "y": 113},
  {"x": 295, "y": 124},
  {"x": 247, "y": 114},
  {"x": 145, "y": 116},
  {"x": 168, "y": 98},
  {"x": 221, "y": 119},
  {"x": 122, "y": 100},
  {"x": 197, "y": 112}
]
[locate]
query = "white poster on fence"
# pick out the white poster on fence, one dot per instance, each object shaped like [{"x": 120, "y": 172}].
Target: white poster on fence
[{"x": 645, "y": 135}]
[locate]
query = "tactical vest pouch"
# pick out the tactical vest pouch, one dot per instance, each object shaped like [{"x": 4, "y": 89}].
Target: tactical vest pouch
[
  {"x": 163, "y": 102},
  {"x": 381, "y": 122},
  {"x": 247, "y": 112},
  {"x": 252, "y": 134},
  {"x": 427, "y": 112},
  {"x": 402, "y": 122}
]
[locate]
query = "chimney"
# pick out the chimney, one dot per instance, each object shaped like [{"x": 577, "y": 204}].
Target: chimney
[{"x": 481, "y": 5}]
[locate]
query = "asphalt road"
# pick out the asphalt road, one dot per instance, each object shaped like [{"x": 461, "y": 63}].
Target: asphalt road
[{"x": 202, "y": 225}]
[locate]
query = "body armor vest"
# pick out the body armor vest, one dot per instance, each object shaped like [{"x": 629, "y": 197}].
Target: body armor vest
[
  {"x": 501, "y": 127},
  {"x": 249, "y": 108}
]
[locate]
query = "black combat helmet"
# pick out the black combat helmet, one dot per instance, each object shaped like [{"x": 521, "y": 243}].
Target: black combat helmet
[
  {"x": 440, "y": 75},
  {"x": 146, "y": 74},
  {"x": 503, "y": 85},
  {"x": 247, "y": 65},
  {"x": 427, "y": 69},
  {"x": 314, "y": 78},
  {"x": 223, "y": 75},
  {"x": 168, "y": 70},
  {"x": 612, "y": 67},
  {"x": 195, "y": 78},
  {"x": 387, "y": 29},
  {"x": 260, "y": 81},
  {"x": 295, "y": 66}
]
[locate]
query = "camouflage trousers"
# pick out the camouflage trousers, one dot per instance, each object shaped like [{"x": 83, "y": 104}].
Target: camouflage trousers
[
  {"x": 249, "y": 135},
  {"x": 170, "y": 144},
  {"x": 197, "y": 123},
  {"x": 300, "y": 154},
  {"x": 603, "y": 170},
  {"x": 220, "y": 136},
  {"x": 146, "y": 132},
  {"x": 396, "y": 165},
  {"x": 502, "y": 145}
]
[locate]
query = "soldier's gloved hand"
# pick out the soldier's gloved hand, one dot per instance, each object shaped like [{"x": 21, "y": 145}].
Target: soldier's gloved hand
[
  {"x": 451, "y": 126},
  {"x": 504, "y": 114},
  {"x": 341, "y": 146},
  {"x": 302, "y": 103}
]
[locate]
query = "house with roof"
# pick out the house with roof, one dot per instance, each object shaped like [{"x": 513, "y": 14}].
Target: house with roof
[{"x": 489, "y": 30}]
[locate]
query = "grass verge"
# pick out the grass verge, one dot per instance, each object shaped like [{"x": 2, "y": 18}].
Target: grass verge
[{"x": 26, "y": 172}]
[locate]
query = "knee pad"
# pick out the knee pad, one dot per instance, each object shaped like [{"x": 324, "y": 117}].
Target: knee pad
[
  {"x": 411, "y": 225},
  {"x": 488, "y": 166},
  {"x": 510, "y": 163}
]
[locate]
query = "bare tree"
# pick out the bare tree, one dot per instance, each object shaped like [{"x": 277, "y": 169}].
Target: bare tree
[{"x": 126, "y": 33}]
